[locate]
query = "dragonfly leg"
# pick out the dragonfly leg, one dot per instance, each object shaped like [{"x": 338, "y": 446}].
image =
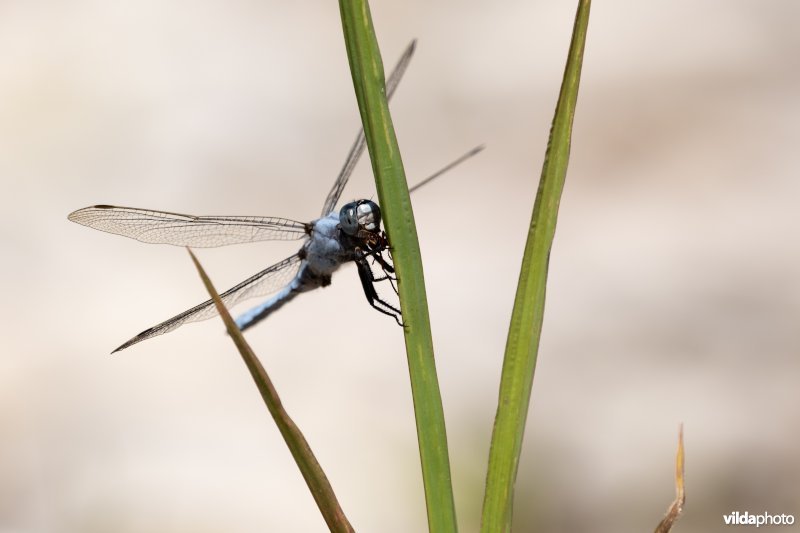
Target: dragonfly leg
[
  {"x": 388, "y": 273},
  {"x": 376, "y": 253},
  {"x": 367, "y": 283}
]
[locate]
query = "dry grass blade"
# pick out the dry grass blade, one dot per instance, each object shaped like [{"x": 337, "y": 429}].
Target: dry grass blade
[
  {"x": 676, "y": 508},
  {"x": 312, "y": 472}
]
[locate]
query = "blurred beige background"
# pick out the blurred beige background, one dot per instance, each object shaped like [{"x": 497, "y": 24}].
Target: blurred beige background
[{"x": 674, "y": 292}]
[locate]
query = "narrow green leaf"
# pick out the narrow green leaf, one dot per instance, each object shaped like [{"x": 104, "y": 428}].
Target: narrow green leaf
[
  {"x": 368, "y": 79},
  {"x": 312, "y": 472},
  {"x": 522, "y": 344}
]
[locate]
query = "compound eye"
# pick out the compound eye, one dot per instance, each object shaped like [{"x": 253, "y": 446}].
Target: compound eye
[
  {"x": 348, "y": 218},
  {"x": 369, "y": 215}
]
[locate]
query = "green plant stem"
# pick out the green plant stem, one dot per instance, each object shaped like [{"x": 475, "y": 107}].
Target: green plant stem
[
  {"x": 522, "y": 344},
  {"x": 368, "y": 79},
  {"x": 312, "y": 472}
]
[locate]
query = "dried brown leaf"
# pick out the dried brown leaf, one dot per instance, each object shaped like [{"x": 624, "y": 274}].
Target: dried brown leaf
[{"x": 676, "y": 508}]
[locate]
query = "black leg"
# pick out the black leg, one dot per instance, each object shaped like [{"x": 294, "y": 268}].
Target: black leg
[
  {"x": 367, "y": 283},
  {"x": 376, "y": 253},
  {"x": 387, "y": 275}
]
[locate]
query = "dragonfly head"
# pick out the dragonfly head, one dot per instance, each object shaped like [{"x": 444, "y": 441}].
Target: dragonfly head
[{"x": 360, "y": 215}]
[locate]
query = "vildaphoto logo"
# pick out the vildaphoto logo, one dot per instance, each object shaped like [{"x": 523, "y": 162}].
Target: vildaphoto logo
[{"x": 764, "y": 519}]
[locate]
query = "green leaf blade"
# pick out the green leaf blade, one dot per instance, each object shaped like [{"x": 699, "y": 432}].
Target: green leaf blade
[
  {"x": 522, "y": 344},
  {"x": 368, "y": 80}
]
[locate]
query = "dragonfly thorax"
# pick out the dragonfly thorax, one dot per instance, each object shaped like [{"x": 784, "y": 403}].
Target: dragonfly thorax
[{"x": 361, "y": 215}]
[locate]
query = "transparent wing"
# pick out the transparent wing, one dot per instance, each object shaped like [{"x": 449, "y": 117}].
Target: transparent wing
[
  {"x": 439, "y": 172},
  {"x": 358, "y": 146},
  {"x": 267, "y": 281},
  {"x": 162, "y": 227}
]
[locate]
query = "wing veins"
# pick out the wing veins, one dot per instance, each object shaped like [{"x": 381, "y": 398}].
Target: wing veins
[
  {"x": 264, "y": 282},
  {"x": 360, "y": 143},
  {"x": 163, "y": 227}
]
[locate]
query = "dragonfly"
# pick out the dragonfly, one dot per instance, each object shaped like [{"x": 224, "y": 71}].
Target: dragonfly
[{"x": 353, "y": 234}]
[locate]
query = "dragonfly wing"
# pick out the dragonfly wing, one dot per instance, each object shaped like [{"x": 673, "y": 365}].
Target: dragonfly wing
[
  {"x": 265, "y": 282},
  {"x": 358, "y": 146},
  {"x": 162, "y": 227}
]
